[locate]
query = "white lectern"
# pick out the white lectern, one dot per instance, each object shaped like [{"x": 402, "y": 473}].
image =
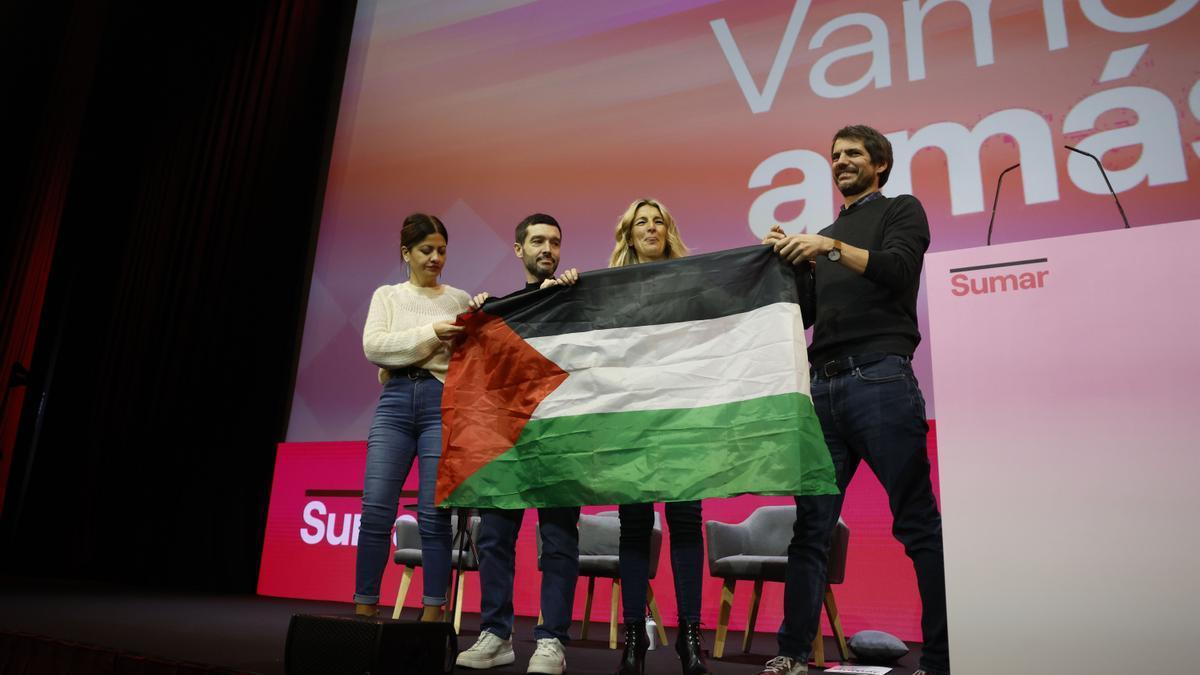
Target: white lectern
[{"x": 1067, "y": 378}]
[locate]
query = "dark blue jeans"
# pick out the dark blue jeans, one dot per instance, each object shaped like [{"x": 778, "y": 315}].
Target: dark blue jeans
[
  {"x": 407, "y": 427},
  {"x": 874, "y": 413},
  {"x": 497, "y": 548},
  {"x": 687, "y": 558}
]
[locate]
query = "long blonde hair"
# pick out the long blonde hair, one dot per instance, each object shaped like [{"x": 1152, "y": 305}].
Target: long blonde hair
[{"x": 625, "y": 254}]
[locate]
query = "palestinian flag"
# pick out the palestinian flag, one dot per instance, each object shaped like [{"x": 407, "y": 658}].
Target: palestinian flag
[{"x": 663, "y": 381}]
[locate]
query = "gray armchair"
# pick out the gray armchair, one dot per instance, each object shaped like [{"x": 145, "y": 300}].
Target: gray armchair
[
  {"x": 756, "y": 550},
  {"x": 408, "y": 556}
]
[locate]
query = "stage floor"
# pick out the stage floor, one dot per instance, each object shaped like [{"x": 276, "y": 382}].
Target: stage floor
[{"x": 247, "y": 632}]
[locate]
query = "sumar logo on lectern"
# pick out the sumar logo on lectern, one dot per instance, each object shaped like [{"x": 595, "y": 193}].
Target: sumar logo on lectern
[{"x": 999, "y": 277}]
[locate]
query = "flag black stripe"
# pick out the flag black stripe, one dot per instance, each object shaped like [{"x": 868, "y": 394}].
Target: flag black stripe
[{"x": 686, "y": 289}]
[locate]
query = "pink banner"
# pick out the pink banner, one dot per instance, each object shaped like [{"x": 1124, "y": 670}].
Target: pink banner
[{"x": 312, "y": 531}]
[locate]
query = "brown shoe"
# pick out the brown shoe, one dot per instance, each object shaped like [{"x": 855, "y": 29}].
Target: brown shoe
[{"x": 433, "y": 613}]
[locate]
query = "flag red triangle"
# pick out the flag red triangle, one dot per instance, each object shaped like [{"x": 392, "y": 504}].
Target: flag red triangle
[{"x": 496, "y": 381}]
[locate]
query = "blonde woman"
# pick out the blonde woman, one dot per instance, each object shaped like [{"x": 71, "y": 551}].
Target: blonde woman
[{"x": 646, "y": 233}]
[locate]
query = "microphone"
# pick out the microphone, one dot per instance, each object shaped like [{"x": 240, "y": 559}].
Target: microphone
[
  {"x": 1105, "y": 174},
  {"x": 996, "y": 200}
]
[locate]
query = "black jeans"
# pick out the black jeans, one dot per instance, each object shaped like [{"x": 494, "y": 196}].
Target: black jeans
[
  {"x": 874, "y": 413},
  {"x": 687, "y": 557}
]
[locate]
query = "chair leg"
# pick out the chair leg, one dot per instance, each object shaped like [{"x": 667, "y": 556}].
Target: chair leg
[
  {"x": 653, "y": 604},
  {"x": 612, "y": 614},
  {"x": 752, "y": 615},
  {"x": 835, "y": 622},
  {"x": 406, "y": 575},
  {"x": 458, "y": 600},
  {"x": 723, "y": 617},
  {"x": 818, "y": 646},
  {"x": 587, "y": 607}
]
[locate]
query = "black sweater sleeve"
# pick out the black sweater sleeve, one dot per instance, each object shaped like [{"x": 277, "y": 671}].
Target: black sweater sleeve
[
  {"x": 897, "y": 264},
  {"x": 806, "y": 288}
]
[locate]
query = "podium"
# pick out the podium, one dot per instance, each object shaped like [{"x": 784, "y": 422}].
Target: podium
[{"x": 1067, "y": 378}]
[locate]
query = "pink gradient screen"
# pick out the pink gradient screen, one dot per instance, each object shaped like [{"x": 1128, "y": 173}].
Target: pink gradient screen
[{"x": 485, "y": 112}]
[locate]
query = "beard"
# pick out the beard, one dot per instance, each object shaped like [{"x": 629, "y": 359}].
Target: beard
[
  {"x": 860, "y": 184},
  {"x": 539, "y": 272}
]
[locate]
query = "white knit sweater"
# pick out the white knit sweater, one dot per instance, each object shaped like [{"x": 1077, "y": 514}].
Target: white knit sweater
[{"x": 399, "y": 329}]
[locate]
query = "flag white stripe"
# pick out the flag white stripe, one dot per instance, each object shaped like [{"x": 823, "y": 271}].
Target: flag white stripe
[{"x": 688, "y": 364}]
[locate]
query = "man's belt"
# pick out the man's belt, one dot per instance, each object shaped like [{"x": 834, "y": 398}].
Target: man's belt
[{"x": 838, "y": 366}]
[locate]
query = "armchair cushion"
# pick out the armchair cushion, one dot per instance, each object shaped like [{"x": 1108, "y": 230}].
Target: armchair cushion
[
  {"x": 765, "y": 567},
  {"x": 876, "y": 646}
]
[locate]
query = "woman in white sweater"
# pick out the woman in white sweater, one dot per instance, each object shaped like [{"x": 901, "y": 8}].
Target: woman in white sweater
[{"x": 408, "y": 335}]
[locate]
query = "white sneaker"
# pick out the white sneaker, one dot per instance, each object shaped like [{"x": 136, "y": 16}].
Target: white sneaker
[
  {"x": 488, "y": 651},
  {"x": 784, "y": 665},
  {"x": 548, "y": 658}
]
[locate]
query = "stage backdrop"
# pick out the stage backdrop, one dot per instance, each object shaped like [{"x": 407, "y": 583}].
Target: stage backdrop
[{"x": 485, "y": 112}]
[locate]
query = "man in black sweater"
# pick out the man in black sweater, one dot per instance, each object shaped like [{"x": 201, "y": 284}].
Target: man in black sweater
[
  {"x": 866, "y": 270},
  {"x": 538, "y": 241}
]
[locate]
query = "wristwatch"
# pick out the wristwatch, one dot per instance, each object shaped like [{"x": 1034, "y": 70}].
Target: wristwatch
[{"x": 835, "y": 253}]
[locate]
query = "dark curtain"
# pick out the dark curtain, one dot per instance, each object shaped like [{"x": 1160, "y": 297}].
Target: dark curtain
[
  {"x": 55, "y": 46},
  {"x": 162, "y": 372}
]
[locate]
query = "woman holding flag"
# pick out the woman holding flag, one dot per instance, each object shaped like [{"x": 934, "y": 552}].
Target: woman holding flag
[
  {"x": 646, "y": 232},
  {"x": 408, "y": 334}
]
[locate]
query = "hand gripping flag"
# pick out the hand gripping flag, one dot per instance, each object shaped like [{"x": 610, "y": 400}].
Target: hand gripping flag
[{"x": 663, "y": 381}]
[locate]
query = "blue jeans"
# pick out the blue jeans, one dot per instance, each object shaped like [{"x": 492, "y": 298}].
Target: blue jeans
[
  {"x": 687, "y": 558},
  {"x": 497, "y": 548},
  {"x": 407, "y": 426},
  {"x": 873, "y": 413}
]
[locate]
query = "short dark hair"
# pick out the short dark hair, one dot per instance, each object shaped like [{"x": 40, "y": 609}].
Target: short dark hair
[
  {"x": 877, "y": 145},
  {"x": 417, "y": 226},
  {"x": 535, "y": 219}
]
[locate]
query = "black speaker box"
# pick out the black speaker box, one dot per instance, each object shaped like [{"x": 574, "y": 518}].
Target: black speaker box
[{"x": 352, "y": 645}]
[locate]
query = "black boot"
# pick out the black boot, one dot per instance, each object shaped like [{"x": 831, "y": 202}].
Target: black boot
[
  {"x": 633, "y": 660},
  {"x": 687, "y": 645}
]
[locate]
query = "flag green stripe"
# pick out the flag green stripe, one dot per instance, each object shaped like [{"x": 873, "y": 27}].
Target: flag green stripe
[{"x": 771, "y": 445}]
